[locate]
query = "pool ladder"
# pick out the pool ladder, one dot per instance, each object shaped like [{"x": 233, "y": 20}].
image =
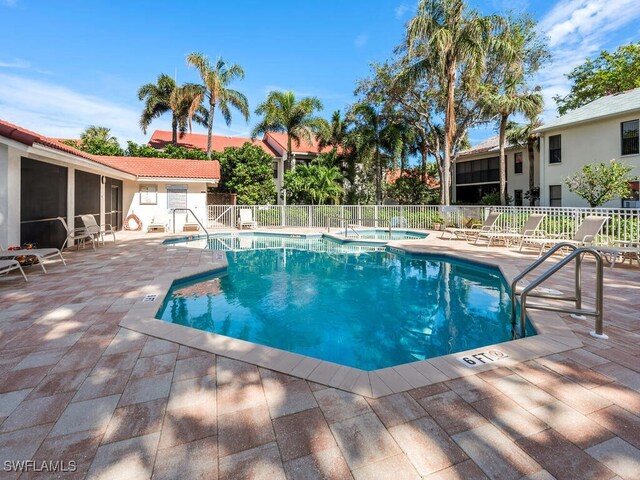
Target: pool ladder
[
  {"x": 194, "y": 216},
  {"x": 577, "y": 312}
]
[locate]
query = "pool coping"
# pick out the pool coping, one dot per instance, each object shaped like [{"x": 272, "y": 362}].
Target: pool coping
[{"x": 553, "y": 336}]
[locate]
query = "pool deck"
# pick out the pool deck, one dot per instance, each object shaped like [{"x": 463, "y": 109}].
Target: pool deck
[{"x": 75, "y": 385}]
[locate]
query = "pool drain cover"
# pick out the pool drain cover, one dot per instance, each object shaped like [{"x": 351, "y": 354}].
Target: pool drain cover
[{"x": 150, "y": 298}]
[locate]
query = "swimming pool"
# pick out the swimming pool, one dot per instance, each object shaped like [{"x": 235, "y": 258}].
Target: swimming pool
[
  {"x": 367, "y": 310},
  {"x": 365, "y": 240}
]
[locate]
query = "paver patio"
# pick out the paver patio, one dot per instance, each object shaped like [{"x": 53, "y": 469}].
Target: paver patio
[{"x": 75, "y": 386}]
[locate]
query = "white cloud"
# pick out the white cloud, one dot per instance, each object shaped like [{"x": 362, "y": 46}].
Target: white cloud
[
  {"x": 400, "y": 10},
  {"x": 17, "y": 63},
  {"x": 57, "y": 111},
  {"x": 361, "y": 40},
  {"x": 577, "y": 30}
]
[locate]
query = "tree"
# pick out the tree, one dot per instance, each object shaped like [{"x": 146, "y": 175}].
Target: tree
[
  {"x": 520, "y": 52},
  {"x": 281, "y": 112},
  {"x": 314, "y": 184},
  {"x": 599, "y": 183},
  {"x": 248, "y": 172},
  {"x": 607, "y": 74},
  {"x": 449, "y": 42},
  {"x": 523, "y": 135},
  {"x": 97, "y": 141},
  {"x": 216, "y": 92},
  {"x": 411, "y": 189},
  {"x": 334, "y": 133},
  {"x": 165, "y": 96},
  {"x": 170, "y": 151}
]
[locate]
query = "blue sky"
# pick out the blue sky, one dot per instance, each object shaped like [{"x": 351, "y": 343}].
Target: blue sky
[{"x": 66, "y": 65}]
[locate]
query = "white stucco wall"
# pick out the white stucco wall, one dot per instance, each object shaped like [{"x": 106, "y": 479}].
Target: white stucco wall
[
  {"x": 582, "y": 144},
  {"x": 9, "y": 196},
  {"x": 196, "y": 201}
]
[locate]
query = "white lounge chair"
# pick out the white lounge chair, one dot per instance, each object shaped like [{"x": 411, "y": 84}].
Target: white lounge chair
[
  {"x": 96, "y": 230},
  {"x": 246, "y": 218},
  {"x": 528, "y": 230},
  {"x": 585, "y": 236},
  {"x": 620, "y": 253},
  {"x": 78, "y": 235},
  {"x": 7, "y": 265},
  {"x": 40, "y": 253},
  {"x": 464, "y": 233},
  {"x": 160, "y": 221}
]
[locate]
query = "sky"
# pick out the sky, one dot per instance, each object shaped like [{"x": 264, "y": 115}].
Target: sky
[{"x": 66, "y": 65}]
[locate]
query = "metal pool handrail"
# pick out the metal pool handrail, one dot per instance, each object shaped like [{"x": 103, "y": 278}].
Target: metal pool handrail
[
  {"x": 194, "y": 216},
  {"x": 343, "y": 219},
  {"x": 578, "y": 311}
]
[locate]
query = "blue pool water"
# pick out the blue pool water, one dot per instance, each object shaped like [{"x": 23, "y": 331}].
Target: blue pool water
[{"x": 368, "y": 310}]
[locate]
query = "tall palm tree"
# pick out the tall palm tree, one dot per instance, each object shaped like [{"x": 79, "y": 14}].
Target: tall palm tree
[
  {"x": 333, "y": 133},
  {"x": 216, "y": 92},
  {"x": 504, "y": 104},
  {"x": 445, "y": 39},
  {"x": 157, "y": 98},
  {"x": 281, "y": 112},
  {"x": 373, "y": 136},
  {"x": 523, "y": 135}
]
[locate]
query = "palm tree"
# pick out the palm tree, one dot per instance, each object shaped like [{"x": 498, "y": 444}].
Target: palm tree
[
  {"x": 157, "y": 98},
  {"x": 215, "y": 91},
  {"x": 523, "y": 135},
  {"x": 444, "y": 39},
  {"x": 372, "y": 135},
  {"x": 281, "y": 112},
  {"x": 333, "y": 133},
  {"x": 504, "y": 104}
]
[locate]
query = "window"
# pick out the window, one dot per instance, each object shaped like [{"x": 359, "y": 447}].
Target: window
[
  {"x": 148, "y": 194},
  {"x": 517, "y": 162},
  {"x": 517, "y": 198},
  {"x": 478, "y": 171},
  {"x": 630, "y": 136},
  {"x": 176, "y": 196},
  {"x": 555, "y": 149},
  {"x": 275, "y": 169},
  {"x": 555, "y": 195},
  {"x": 633, "y": 201}
]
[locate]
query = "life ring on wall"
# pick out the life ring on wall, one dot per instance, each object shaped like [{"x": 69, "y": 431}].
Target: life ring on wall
[{"x": 127, "y": 223}]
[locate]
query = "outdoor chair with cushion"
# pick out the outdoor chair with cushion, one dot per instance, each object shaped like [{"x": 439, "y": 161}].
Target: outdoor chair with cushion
[
  {"x": 8, "y": 265},
  {"x": 40, "y": 253},
  {"x": 584, "y": 236},
  {"x": 246, "y": 218},
  {"x": 466, "y": 233}
]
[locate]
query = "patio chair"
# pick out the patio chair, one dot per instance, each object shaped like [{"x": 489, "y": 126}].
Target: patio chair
[
  {"x": 79, "y": 235},
  {"x": 464, "y": 233},
  {"x": 96, "y": 230},
  {"x": 620, "y": 253},
  {"x": 7, "y": 265},
  {"x": 246, "y": 218},
  {"x": 160, "y": 221},
  {"x": 40, "y": 253},
  {"x": 585, "y": 236},
  {"x": 528, "y": 230}
]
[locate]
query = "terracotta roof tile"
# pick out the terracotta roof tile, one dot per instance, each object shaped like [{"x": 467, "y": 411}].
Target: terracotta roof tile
[
  {"x": 162, "y": 138},
  {"x": 312, "y": 147},
  {"x": 141, "y": 167}
]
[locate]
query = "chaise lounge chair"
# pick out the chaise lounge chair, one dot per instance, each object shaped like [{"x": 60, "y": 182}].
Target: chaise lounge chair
[
  {"x": 529, "y": 230},
  {"x": 620, "y": 253},
  {"x": 40, "y": 253},
  {"x": 160, "y": 221},
  {"x": 585, "y": 236},
  {"x": 464, "y": 233},
  {"x": 96, "y": 230},
  {"x": 7, "y": 265},
  {"x": 246, "y": 218}
]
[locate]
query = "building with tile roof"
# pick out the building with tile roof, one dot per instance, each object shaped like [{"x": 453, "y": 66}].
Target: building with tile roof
[{"x": 42, "y": 178}]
